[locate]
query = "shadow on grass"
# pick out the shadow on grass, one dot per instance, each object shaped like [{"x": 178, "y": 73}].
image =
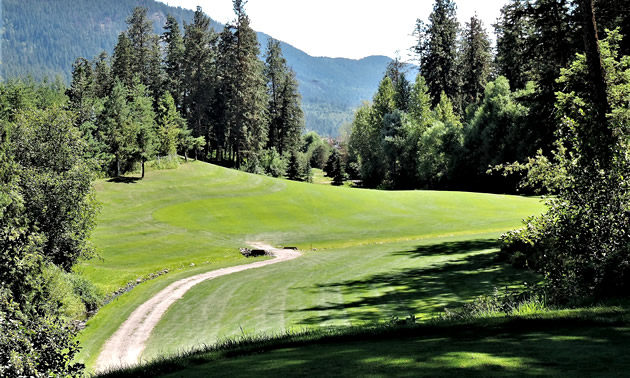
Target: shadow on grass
[
  {"x": 585, "y": 343},
  {"x": 451, "y": 248},
  {"x": 423, "y": 289},
  {"x": 125, "y": 180},
  {"x": 558, "y": 352}
]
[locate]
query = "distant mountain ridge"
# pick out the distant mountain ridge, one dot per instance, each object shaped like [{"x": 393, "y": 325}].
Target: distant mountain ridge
[{"x": 43, "y": 39}]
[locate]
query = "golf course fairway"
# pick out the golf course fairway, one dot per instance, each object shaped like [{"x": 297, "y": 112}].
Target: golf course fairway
[{"x": 368, "y": 255}]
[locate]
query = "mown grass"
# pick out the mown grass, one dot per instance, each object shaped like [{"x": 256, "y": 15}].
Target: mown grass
[
  {"x": 586, "y": 342},
  {"x": 341, "y": 287},
  {"x": 200, "y": 214}
]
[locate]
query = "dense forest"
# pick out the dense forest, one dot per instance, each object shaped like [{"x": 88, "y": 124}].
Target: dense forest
[
  {"x": 472, "y": 108},
  {"x": 44, "y": 39}
]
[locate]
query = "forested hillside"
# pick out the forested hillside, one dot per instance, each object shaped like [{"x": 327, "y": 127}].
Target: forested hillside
[{"x": 43, "y": 39}]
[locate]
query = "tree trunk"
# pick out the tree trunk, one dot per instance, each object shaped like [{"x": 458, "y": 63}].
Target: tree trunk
[
  {"x": 117, "y": 166},
  {"x": 595, "y": 66},
  {"x": 186, "y": 156},
  {"x": 143, "y": 160}
]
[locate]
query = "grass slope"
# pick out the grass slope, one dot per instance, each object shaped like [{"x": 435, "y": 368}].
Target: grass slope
[
  {"x": 586, "y": 342},
  {"x": 199, "y": 214}
]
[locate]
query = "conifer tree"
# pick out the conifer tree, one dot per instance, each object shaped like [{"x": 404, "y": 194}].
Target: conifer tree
[
  {"x": 116, "y": 129},
  {"x": 248, "y": 98},
  {"x": 81, "y": 90},
  {"x": 294, "y": 171},
  {"x": 122, "y": 62},
  {"x": 174, "y": 61},
  {"x": 476, "y": 60},
  {"x": 291, "y": 115},
  {"x": 275, "y": 73},
  {"x": 198, "y": 60},
  {"x": 142, "y": 120},
  {"x": 437, "y": 50},
  {"x": 170, "y": 123},
  {"x": 102, "y": 76},
  {"x": 142, "y": 39}
]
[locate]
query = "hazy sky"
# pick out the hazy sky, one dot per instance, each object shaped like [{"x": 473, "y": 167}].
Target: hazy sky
[{"x": 343, "y": 28}]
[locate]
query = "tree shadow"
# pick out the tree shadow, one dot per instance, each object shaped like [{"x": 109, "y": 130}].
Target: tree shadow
[
  {"x": 557, "y": 351},
  {"x": 124, "y": 180},
  {"x": 423, "y": 289},
  {"x": 450, "y": 248}
]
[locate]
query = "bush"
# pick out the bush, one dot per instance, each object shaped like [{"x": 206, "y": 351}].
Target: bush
[{"x": 498, "y": 304}]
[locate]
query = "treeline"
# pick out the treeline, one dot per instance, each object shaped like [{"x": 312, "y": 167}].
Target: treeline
[
  {"x": 471, "y": 108},
  {"x": 189, "y": 90}
]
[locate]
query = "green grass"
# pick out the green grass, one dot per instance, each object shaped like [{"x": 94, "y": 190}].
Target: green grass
[
  {"x": 341, "y": 287},
  {"x": 587, "y": 342},
  {"x": 379, "y": 253},
  {"x": 319, "y": 177}
]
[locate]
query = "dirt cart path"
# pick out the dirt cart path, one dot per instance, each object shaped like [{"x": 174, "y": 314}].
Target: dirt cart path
[{"x": 125, "y": 347}]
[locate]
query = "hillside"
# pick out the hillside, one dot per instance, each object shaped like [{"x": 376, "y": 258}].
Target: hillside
[
  {"x": 378, "y": 253},
  {"x": 43, "y": 39}
]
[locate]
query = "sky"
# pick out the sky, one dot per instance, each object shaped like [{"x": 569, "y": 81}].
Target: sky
[{"x": 343, "y": 28}]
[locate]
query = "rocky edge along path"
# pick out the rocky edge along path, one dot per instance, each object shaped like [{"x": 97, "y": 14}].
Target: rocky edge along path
[{"x": 125, "y": 347}]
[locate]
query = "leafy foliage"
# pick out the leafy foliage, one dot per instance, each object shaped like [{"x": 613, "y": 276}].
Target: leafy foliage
[{"x": 581, "y": 243}]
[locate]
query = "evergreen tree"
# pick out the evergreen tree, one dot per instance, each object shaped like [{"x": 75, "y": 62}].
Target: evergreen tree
[
  {"x": 437, "y": 50},
  {"x": 122, "y": 62},
  {"x": 142, "y": 120},
  {"x": 174, "y": 61},
  {"x": 294, "y": 171},
  {"x": 170, "y": 123},
  {"x": 396, "y": 72},
  {"x": 102, "y": 76},
  {"x": 198, "y": 60},
  {"x": 247, "y": 98},
  {"x": 275, "y": 73},
  {"x": 291, "y": 115},
  {"x": 476, "y": 61},
  {"x": 81, "y": 90},
  {"x": 116, "y": 128},
  {"x": 141, "y": 37},
  {"x": 514, "y": 29}
]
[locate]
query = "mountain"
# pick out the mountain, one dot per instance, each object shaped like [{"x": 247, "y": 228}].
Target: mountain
[{"x": 43, "y": 39}]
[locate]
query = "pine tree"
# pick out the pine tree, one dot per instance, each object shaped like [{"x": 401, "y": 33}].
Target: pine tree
[
  {"x": 116, "y": 128},
  {"x": 476, "y": 61},
  {"x": 396, "y": 72},
  {"x": 198, "y": 61},
  {"x": 248, "y": 98},
  {"x": 81, "y": 90},
  {"x": 174, "y": 61},
  {"x": 170, "y": 123},
  {"x": 102, "y": 76},
  {"x": 437, "y": 50},
  {"x": 294, "y": 171},
  {"x": 514, "y": 29},
  {"x": 142, "y": 120},
  {"x": 142, "y": 39},
  {"x": 122, "y": 62},
  {"x": 275, "y": 73},
  {"x": 291, "y": 114}
]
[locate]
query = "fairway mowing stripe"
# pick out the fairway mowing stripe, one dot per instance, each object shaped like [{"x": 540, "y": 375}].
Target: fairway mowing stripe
[{"x": 125, "y": 346}]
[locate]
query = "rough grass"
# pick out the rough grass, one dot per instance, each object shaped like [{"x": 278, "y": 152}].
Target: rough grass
[
  {"x": 587, "y": 342},
  {"x": 200, "y": 214}
]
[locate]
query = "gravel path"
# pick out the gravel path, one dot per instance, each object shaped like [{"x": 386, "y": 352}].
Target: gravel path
[{"x": 125, "y": 347}]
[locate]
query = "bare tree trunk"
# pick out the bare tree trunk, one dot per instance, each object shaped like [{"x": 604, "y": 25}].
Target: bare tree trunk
[{"x": 142, "y": 168}]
